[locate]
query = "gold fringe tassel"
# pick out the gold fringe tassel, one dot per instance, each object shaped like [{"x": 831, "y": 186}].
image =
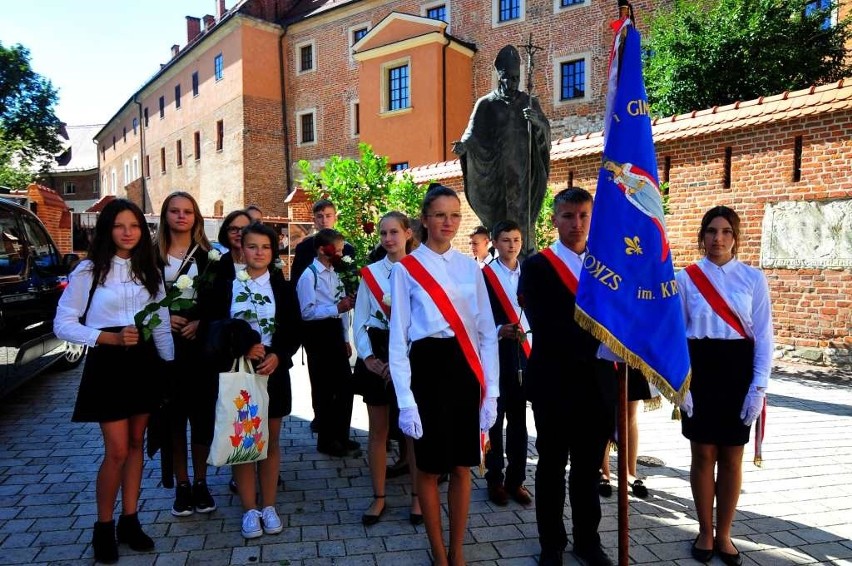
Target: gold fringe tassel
[{"x": 598, "y": 331}]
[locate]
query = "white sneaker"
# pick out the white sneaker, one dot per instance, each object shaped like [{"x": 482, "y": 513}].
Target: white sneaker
[
  {"x": 271, "y": 522},
  {"x": 251, "y": 524}
]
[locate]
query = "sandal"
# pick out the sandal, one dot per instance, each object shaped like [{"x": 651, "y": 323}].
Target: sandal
[
  {"x": 415, "y": 518},
  {"x": 639, "y": 489},
  {"x": 604, "y": 487},
  {"x": 368, "y": 520}
]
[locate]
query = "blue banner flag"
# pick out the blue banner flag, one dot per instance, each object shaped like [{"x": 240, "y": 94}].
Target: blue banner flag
[{"x": 627, "y": 296}]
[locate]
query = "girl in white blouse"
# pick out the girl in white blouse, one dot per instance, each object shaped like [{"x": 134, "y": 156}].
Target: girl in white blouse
[
  {"x": 372, "y": 373},
  {"x": 182, "y": 249},
  {"x": 446, "y": 383},
  {"x": 119, "y": 386},
  {"x": 730, "y": 373}
]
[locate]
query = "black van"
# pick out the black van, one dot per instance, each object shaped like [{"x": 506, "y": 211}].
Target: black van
[{"x": 32, "y": 277}]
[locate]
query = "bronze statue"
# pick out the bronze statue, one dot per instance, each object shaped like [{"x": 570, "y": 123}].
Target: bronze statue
[{"x": 505, "y": 168}]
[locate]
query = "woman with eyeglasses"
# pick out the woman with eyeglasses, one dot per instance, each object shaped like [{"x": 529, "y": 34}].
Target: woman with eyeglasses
[{"x": 443, "y": 362}]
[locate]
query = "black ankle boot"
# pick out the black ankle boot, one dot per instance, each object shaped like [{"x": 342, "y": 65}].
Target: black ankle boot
[
  {"x": 129, "y": 531},
  {"x": 103, "y": 543}
]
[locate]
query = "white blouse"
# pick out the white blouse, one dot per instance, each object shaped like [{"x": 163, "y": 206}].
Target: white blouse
[
  {"x": 171, "y": 274},
  {"x": 745, "y": 289},
  {"x": 509, "y": 281},
  {"x": 415, "y": 316},
  {"x": 260, "y": 285},
  {"x": 114, "y": 303},
  {"x": 366, "y": 306}
]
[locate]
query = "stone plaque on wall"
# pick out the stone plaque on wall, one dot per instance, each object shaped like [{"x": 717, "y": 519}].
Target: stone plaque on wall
[{"x": 807, "y": 234}]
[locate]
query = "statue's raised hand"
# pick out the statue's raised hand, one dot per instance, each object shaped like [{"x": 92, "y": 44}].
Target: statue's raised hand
[{"x": 534, "y": 116}]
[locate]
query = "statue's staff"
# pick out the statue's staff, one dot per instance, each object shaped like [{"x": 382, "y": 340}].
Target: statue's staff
[{"x": 530, "y": 50}]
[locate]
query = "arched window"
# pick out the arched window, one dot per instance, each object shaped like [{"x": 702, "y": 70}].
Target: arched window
[{"x": 218, "y": 208}]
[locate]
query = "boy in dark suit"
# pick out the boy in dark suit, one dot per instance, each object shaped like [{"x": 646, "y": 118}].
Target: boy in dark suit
[
  {"x": 501, "y": 280},
  {"x": 572, "y": 391}
]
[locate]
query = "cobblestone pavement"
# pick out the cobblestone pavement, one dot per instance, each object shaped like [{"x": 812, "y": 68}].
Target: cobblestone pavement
[{"x": 797, "y": 509}]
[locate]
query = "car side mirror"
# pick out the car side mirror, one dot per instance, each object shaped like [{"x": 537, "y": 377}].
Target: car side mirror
[{"x": 70, "y": 261}]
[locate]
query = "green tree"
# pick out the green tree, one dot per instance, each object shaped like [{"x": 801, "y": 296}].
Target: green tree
[
  {"x": 703, "y": 53},
  {"x": 28, "y": 125},
  {"x": 362, "y": 190},
  {"x": 545, "y": 233}
]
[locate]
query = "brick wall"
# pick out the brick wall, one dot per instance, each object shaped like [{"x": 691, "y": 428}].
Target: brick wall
[{"x": 811, "y": 308}]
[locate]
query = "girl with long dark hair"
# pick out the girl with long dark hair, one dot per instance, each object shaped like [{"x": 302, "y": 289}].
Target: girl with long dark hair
[{"x": 119, "y": 386}]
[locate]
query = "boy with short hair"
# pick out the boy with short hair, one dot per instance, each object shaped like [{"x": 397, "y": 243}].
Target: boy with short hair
[
  {"x": 325, "y": 312},
  {"x": 501, "y": 280},
  {"x": 479, "y": 245}
]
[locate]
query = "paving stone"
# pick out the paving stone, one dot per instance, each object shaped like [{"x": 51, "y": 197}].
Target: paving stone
[{"x": 289, "y": 551}]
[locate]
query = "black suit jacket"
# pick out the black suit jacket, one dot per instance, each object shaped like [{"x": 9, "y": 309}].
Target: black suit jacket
[
  {"x": 563, "y": 362},
  {"x": 305, "y": 253},
  {"x": 200, "y": 258},
  {"x": 216, "y": 305},
  {"x": 511, "y": 352}
]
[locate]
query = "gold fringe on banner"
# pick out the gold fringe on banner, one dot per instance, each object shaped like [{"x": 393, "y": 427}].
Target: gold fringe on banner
[{"x": 601, "y": 333}]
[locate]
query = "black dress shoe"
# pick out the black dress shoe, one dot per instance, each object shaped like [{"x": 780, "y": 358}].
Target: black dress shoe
[
  {"x": 314, "y": 425},
  {"x": 550, "y": 557},
  {"x": 734, "y": 559},
  {"x": 351, "y": 444},
  {"x": 369, "y": 520},
  {"x": 701, "y": 554},
  {"x": 593, "y": 554}
]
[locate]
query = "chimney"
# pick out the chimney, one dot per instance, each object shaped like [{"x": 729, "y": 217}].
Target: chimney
[
  {"x": 209, "y": 22},
  {"x": 193, "y": 28},
  {"x": 175, "y": 50},
  {"x": 220, "y": 9}
]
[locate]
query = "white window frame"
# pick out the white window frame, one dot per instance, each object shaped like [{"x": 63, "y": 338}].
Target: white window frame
[
  {"x": 126, "y": 172},
  {"x": 558, "y": 8},
  {"x": 426, "y": 7},
  {"x": 299, "y": 115},
  {"x": 350, "y": 34},
  {"x": 113, "y": 187},
  {"x": 353, "y": 119},
  {"x": 68, "y": 184},
  {"x": 557, "y": 78},
  {"x": 135, "y": 167},
  {"x": 495, "y": 14},
  {"x": 385, "y": 95},
  {"x": 297, "y": 54},
  {"x": 221, "y": 56}
]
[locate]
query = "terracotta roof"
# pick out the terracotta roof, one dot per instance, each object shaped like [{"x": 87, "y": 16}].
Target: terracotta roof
[
  {"x": 785, "y": 106},
  {"x": 99, "y": 206},
  {"x": 434, "y": 171}
]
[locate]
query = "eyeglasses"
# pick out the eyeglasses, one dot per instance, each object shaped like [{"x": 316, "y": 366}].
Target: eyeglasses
[
  {"x": 443, "y": 216},
  {"x": 235, "y": 229}
]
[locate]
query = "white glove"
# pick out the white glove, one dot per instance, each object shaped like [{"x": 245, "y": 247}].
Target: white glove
[
  {"x": 488, "y": 414},
  {"x": 409, "y": 422},
  {"x": 686, "y": 405},
  {"x": 753, "y": 405}
]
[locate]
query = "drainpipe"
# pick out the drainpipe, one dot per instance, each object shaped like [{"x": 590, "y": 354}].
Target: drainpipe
[
  {"x": 141, "y": 150},
  {"x": 444, "y": 100},
  {"x": 287, "y": 179}
]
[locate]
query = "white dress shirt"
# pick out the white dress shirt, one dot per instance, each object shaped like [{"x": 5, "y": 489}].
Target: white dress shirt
[
  {"x": 319, "y": 295},
  {"x": 509, "y": 281},
  {"x": 415, "y": 316},
  {"x": 746, "y": 291},
  {"x": 366, "y": 306},
  {"x": 260, "y": 285},
  {"x": 114, "y": 303}
]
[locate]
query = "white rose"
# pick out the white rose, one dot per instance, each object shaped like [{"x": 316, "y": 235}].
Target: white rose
[
  {"x": 214, "y": 255},
  {"x": 347, "y": 259},
  {"x": 183, "y": 282},
  {"x": 386, "y": 299},
  {"x": 242, "y": 275}
]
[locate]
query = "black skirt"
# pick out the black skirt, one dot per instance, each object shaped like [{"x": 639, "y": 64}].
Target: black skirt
[
  {"x": 447, "y": 396},
  {"x": 722, "y": 371},
  {"x": 119, "y": 382},
  {"x": 374, "y": 388},
  {"x": 637, "y": 386}
]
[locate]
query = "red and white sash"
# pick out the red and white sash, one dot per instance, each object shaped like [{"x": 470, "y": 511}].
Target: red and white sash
[
  {"x": 448, "y": 311},
  {"x": 721, "y": 307},
  {"x": 375, "y": 289},
  {"x": 506, "y": 304},
  {"x": 562, "y": 270}
]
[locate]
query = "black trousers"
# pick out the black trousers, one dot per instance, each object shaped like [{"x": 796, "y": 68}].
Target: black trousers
[
  {"x": 331, "y": 376},
  {"x": 511, "y": 407},
  {"x": 576, "y": 420}
]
